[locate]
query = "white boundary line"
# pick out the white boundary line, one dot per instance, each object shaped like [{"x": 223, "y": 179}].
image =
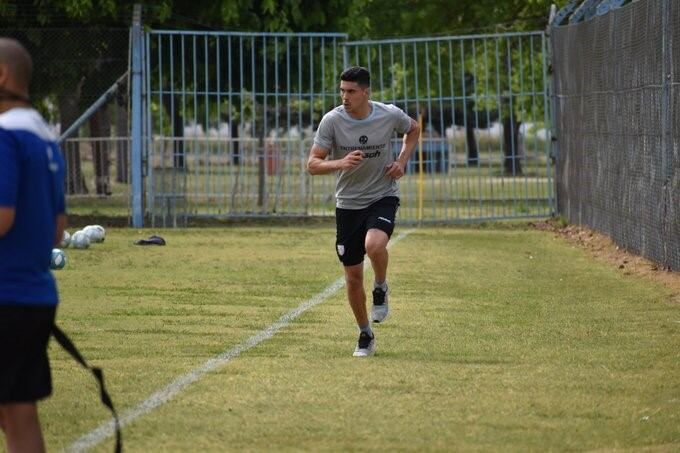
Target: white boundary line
[{"x": 164, "y": 395}]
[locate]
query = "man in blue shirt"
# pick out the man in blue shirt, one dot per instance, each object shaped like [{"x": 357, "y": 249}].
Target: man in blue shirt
[{"x": 32, "y": 221}]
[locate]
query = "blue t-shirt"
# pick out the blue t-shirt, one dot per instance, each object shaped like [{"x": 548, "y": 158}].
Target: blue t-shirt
[{"x": 31, "y": 182}]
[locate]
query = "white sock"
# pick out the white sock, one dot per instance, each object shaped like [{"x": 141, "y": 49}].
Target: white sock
[
  {"x": 367, "y": 329},
  {"x": 382, "y": 285}
]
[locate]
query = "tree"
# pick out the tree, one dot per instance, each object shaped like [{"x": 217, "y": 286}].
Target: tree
[
  {"x": 79, "y": 48},
  {"x": 390, "y": 18},
  {"x": 72, "y": 39},
  {"x": 259, "y": 16},
  {"x": 86, "y": 64}
]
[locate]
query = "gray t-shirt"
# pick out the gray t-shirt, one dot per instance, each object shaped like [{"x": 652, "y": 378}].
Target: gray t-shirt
[{"x": 340, "y": 134}]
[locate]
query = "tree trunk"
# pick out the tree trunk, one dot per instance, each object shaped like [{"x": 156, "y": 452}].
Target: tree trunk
[
  {"x": 473, "y": 153},
  {"x": 178, "y": 154},
  {"x": 512, "y": 163},
  {"x": 100, "y": 131},
  {"x": 68, "y": 113},
  {"x": 236, "y": 156},
  {"x": 122, "y": 144}
]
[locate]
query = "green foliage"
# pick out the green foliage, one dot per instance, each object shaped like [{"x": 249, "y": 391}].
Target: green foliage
[
  {"x": 389, "y": 18},
  {"x": 91, "y": 47},
  {"x": 77, "y": 13},
  {"x": 358, "y": 18}
]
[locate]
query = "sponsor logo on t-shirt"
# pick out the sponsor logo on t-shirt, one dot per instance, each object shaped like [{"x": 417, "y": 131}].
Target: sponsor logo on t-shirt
[{"x": 370, "y": 151}]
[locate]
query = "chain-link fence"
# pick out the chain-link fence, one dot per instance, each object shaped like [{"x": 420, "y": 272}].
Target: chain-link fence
[
  {"x": 617, "y": 101},
  {"x": 72, "y": 68}
]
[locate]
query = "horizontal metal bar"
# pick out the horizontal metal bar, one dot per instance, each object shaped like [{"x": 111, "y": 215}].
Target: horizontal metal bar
[
  {"x": 443, "y": 38},
  {"x": 116, "y": 139},
  {"x": 345, "y": 36},
  {"x": 402, "y": 220},
  {"x": 248, "y": 34},
  {"x": 103, "y": 99},
  {"x": 473, "y": 220},
  {"x": 490, "y": 95}
]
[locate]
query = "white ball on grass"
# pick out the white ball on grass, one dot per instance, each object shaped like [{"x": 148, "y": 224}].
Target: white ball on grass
[
  {"x": 58, "y": 260},
  {"x": 101, "y": 232},
  {"x": 80, "y": 240},
  {"x": 65, "y": 240},
  {"x": 96, "y": 233}
]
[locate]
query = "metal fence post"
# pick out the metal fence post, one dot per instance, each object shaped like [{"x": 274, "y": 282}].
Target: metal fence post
[
  {"x": 665, "y": 86},
  {"x": 136, "y": 121},
  {"x": 666, "y": 140},
  {"x": 550, "y": 103}
]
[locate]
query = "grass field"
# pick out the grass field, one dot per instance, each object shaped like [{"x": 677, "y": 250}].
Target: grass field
[{"x": 503, "y": 339}]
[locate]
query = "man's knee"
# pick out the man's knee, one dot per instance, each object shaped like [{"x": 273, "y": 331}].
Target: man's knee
[
  {"x": 354, "y": 276},
  {"x": 374, "y": 250},
  {"x": 376, "y": 242},
  {"x": 17, "y": 414}
]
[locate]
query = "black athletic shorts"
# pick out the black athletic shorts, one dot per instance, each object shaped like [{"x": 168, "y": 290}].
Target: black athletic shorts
[
  {"x": 24, "y": 366},
  {"x": 353, "y": 224}
]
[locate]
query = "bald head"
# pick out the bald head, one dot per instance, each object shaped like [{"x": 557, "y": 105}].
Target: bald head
[{"x": 15, "y": 58}]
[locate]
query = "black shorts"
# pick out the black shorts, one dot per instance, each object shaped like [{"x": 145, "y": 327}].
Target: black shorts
[
  {"x": 353, "y": 224},
  {"x": 24, "y": 366}
]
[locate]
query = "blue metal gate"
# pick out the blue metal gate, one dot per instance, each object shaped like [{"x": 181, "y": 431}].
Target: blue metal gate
[
  {"x": 229, "y": 118},
  {"x": 483, "y": 103}
]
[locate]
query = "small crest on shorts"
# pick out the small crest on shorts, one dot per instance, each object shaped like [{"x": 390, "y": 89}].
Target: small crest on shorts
[{"x": 341, "y": 249}]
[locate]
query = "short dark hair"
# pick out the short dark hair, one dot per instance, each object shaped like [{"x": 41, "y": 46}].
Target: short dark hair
[{"x": 357, "y": 74}]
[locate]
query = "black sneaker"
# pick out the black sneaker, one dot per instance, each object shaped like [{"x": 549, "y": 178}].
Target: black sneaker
[
  {"x": 380, "y": 308},
  {"x": 365, "y": 345}
]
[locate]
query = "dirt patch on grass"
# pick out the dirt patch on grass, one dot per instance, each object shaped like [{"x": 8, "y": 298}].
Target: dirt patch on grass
[{"x": 604, "y": 249}]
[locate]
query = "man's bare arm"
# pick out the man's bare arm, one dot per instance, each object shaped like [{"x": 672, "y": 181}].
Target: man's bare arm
[
  {"x": 397, "y": 169},
  {"x": 6, "y": 220},
  {"x": 61, "y": 226},
  {"x": 318, "y": 165}
]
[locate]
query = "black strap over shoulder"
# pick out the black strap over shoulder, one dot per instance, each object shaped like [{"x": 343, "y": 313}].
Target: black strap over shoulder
[{"x": 69, "y": 347}]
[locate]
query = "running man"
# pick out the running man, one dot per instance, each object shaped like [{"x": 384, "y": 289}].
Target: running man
[
  {"x": 357, "y": 135},
  {"x": 32, "y": 221}
]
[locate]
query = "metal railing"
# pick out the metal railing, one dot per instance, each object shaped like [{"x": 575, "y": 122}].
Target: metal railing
[
  {"x": 97, "y": 176},
  {"x": 229, "y": 119}
]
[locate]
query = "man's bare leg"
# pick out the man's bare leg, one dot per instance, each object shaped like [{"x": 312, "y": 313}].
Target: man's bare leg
[
  {"x": 376, "y": 249},
  {"x": 21, "y": 425},
  {"x": 354, "y": 277}
]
